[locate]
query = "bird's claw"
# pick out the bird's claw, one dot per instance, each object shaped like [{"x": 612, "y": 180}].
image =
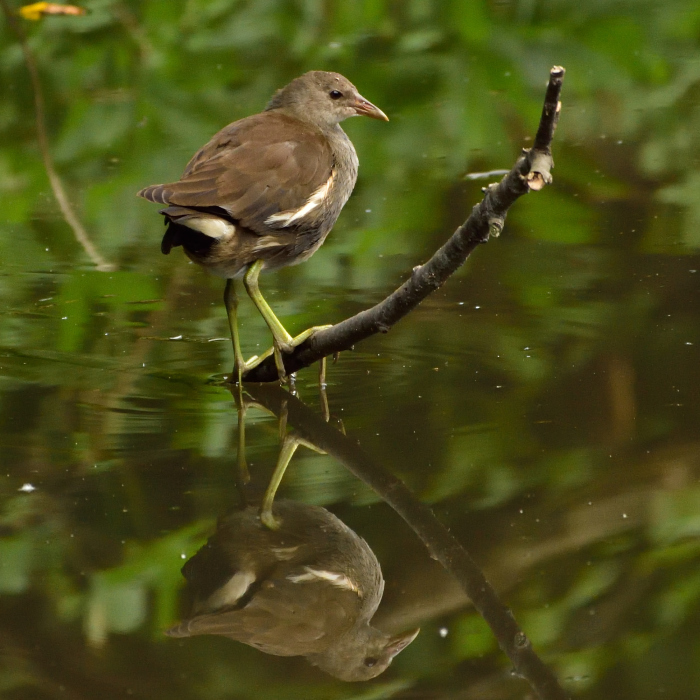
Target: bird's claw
[{"x": 279, "y": 348}]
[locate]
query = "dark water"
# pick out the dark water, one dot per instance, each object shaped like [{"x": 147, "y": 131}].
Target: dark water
[{"x": 544, "y": 402}]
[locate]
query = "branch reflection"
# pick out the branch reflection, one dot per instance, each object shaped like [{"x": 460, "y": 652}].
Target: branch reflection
[{"x": 440, "y": 543}]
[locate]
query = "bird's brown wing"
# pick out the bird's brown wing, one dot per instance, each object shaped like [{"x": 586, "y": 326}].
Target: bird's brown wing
[
  {"x": 282, "y": 618},
  {"x": 252, "y": 169}
]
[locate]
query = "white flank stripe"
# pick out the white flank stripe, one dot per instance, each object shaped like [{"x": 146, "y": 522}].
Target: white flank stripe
[
  {"x": 209, "y": 226},
  {"x": 289, "y": 217}
]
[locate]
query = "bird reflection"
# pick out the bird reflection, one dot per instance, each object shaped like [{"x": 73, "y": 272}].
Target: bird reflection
[{"x": 292, "y": 580}]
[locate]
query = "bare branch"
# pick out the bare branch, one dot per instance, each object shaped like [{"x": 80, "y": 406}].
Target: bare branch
[
  {"x": 532, "y": 171},
  {"x": 55, "y": 181}
]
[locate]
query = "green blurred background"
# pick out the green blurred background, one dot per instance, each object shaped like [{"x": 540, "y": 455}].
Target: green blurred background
[{"x": 545, "y": 401}]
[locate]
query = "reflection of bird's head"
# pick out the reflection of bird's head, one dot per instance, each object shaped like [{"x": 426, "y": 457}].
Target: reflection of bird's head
[{"x": 362, "y": 654}]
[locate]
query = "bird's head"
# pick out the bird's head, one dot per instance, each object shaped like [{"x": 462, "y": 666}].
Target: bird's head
[
  {"x": 362, "y": 653},
  {"x": 323, "y": 98}
]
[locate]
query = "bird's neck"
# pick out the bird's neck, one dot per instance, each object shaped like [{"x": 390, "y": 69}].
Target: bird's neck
[
  {"x": 327, "y": 128},
  {"x": 337, "y": 137}
]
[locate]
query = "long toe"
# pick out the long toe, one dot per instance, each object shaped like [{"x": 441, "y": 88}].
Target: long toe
[
  {"x": 305, "y": 335},
  {"x": 252, "y": 362}
]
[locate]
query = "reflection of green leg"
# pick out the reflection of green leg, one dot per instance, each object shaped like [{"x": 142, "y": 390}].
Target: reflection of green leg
[
  {"x": 289, "y": 447},
  {"x": 282, "y": 340},
  {"x": 322, "y": 391},
  {"x": 322, "y": 373},
  {"x": 243, "y": 473}
]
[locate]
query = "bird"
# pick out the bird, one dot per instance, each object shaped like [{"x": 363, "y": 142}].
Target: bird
[
  {"x": 264, "y": 193},
  {"x": 308, "y": 587}
]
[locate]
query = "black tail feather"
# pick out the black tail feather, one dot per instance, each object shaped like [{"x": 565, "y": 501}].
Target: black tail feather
[
  {"x": 171, "y": 239},
  {"x": 177, "y": 235}
]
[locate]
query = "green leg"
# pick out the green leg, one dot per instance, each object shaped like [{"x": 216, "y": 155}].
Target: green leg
[
  {"x": 282, "y": 340},
  {"x": 231, "y": 303},
  {"x": 279, "y": 332},
  {"x": 240, "y": 366}
]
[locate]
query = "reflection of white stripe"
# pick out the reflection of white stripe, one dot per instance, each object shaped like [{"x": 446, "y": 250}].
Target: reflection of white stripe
[
  {"x": 284, "y": 553},
  {"x": 231, "y": 591},
  {"x": 338, "y": 580},
  {"x": 289, "y": 217},
  {"x": 270, "y": 242}
]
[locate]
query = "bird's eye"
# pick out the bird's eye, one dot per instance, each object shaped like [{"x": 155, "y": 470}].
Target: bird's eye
[
  {"x": 370, "y": 661},
  {"x": 335, "y": 94}
]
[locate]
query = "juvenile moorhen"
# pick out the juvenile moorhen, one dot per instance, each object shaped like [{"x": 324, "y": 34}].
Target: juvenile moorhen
[{"x": 265, "y": 192}]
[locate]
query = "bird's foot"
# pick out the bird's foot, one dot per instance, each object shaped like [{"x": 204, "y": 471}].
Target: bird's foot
[
  {"x": 241, "y": 368},
  {"x": 280, "y": 347},
  {"x": 287, "y": 346},
  {"x": 297, "y": 340}
]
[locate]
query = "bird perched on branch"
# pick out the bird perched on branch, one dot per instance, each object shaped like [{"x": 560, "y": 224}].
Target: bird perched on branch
[
  {"x": 265, "y": 192},
  {"x": 308, "y": 588}
]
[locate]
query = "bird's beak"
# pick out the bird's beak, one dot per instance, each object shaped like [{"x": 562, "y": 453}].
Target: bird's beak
[
  {"x": 365, "y": 108},
  {"x": 398, "y": 643}
]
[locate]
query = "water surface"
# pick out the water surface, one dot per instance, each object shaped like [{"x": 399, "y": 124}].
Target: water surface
[{"x": 544, "y": 401}]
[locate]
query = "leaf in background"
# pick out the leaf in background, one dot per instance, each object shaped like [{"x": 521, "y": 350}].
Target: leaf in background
[
  {"x": 37, "y": 10},
  {"x": 15, "y": 564}
]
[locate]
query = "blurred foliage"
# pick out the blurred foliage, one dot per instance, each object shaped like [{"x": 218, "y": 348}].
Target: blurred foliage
[{"x": 558, "y": 370}]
